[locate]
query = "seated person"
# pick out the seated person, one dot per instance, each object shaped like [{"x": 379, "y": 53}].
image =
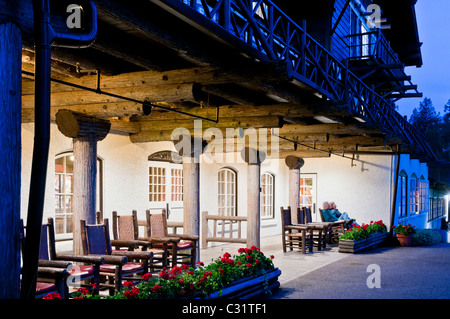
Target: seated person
[
  {"x": 336, "y": 213},
  {"x": 326, "y": 213},
  {"x": 331, "y": 214}
]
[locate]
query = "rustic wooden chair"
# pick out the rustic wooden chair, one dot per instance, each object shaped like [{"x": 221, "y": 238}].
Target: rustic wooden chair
[
  {"x": 295, "y": 235},
  {"x": 337, "y": 227},
  {"x": 119, "y": 265},
  {"x": 52, "y": 275},
  {"x": 183, "y": 250},
  {"x": 320, "y": 229},
  {"x": 126, "y": 227},
  {"x": 52, "y": 280},
  {"x": 87, "y": 268}
]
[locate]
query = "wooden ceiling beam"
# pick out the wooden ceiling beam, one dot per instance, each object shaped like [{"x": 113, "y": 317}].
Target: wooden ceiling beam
[
  {"x": 98, "y": 110},
  {"x": 355, "y": 129},
  {"x": 201, "y": 75},
  {"x": 233, "y": 110},
  {"x": 232, "y": 122},
  {"x": 161, "y": 93}
]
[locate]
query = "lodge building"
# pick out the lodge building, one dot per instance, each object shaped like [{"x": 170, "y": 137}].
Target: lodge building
[{"x": 314, "y": 84}]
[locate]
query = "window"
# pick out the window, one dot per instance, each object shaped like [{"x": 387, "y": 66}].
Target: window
[
  {"x": 267, "y": 195},
  {"x": 157, "y": 184},
  {"x": 365, "y": 45},
  {"x": 176, "y": 178},
  {"x": 227, "y": 192},
  {"x": 423, "y": 195},
  {"x": 307, "y": 191},
  {"x": 64, "y": 192},
  {"x": 165, "y": 183},
  {"x": 414, "y": 195},
  {"x": 403, "y": 194}
]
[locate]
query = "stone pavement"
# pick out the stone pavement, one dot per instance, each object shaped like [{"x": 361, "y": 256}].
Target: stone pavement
[{"x": 400, "y": 272}]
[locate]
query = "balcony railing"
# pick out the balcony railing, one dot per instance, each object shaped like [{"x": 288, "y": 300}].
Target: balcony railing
[
  {"x": 374, "y": 46},
  {"x": 267, "y": 33}
]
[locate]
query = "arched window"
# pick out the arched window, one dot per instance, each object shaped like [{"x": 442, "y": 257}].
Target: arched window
[
  {"x": 414, "y": 194},
  {"x": 227, "y": 190},
  {"x": 64, "y": 192},
  {"x": 267, "y": 195},
  {"x": 403, "y": 186}
]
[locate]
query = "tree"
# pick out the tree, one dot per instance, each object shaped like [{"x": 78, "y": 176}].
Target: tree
[{"x": 434, "y": 127}]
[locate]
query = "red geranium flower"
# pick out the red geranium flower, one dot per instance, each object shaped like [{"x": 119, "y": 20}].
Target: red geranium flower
[
  {"x": 156, "y": 288},
  {"x": 128, "y": 284},
  {"x": 52, "y": 295},
  {"x": 147, "y": 276}
]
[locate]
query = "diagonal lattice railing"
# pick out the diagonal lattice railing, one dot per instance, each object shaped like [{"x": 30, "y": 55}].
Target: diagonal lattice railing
[{"x": 269, "y": 34}]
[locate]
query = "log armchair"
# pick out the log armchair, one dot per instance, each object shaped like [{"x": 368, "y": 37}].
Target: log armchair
[
  {"x": 126, "y": 230},
  {"x": 52, "y": 280},
  {"x": 300, "y": 236},
  {"x": 183, "y": 250},
  {"x": 119, "y": 265},
  {"x": 51, "y": 276},
  {"x": 81, "y": 269},
  {"x": 337, "y": 227}
]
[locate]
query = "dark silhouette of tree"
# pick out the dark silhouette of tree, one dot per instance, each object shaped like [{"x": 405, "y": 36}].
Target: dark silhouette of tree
[{"x": 434, "y": 127}]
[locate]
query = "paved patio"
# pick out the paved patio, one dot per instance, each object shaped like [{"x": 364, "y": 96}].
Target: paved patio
[
  {"x": 293, "y": 264},
  {"x": 405, "y": 272}
]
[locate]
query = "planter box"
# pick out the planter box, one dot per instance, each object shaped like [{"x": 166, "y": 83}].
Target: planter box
[
  {"x": 249, "y": 287},
  {"x": 354, "y": 246}
]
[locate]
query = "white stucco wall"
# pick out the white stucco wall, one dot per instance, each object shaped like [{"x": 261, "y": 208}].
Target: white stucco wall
[{"x": 363, "y": 190}]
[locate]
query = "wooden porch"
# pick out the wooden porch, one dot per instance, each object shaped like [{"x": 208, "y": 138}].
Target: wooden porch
[{"x": 163, "y": 64}]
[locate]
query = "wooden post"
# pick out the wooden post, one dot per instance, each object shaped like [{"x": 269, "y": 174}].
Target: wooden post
[
  {"x": 253, "y": 158},
  {"x": 204, "y": 229},
  {"x": 190, "y": 152},
  {"x": 10, "y": 139},
  {"x": 85, "y": 131},
  {"x": 294, "y": 164},
  {"x": 84, "y": 185}
]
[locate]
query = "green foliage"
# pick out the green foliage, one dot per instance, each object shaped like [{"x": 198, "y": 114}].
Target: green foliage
[
  {"x": 434, "y": 127},
  {"x": 364, "y": 231},
  {"x": 404, "y": 229},
  {"x": 426, "y": 237}
]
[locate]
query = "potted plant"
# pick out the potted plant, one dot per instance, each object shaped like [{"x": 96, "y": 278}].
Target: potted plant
[{"x": 404, "y": 234}]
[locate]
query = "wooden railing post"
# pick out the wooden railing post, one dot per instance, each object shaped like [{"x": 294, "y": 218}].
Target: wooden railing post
[
  {"x": 204, "y": 229},
  {"x": 303, "y": 49}
]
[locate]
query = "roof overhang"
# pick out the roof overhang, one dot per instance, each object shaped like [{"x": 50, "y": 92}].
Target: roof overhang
[{"x": 403, "y": 32}]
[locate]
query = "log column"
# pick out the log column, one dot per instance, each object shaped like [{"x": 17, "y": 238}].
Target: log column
[
  {"x": 190, "y": 150},
  {"x": 10, "y": 137},
  {"x": 254, "y": 159},
  {"x": 85, "y": 131},
  {"x": 294, "y": 163}
]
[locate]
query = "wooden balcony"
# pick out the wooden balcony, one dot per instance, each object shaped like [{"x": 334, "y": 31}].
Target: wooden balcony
[
  {"x": 374, "y": 61},
  {"x": 261, "y": 30}
]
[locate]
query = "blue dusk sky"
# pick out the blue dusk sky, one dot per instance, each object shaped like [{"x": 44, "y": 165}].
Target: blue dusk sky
[{"x": 433, "y": 78}]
